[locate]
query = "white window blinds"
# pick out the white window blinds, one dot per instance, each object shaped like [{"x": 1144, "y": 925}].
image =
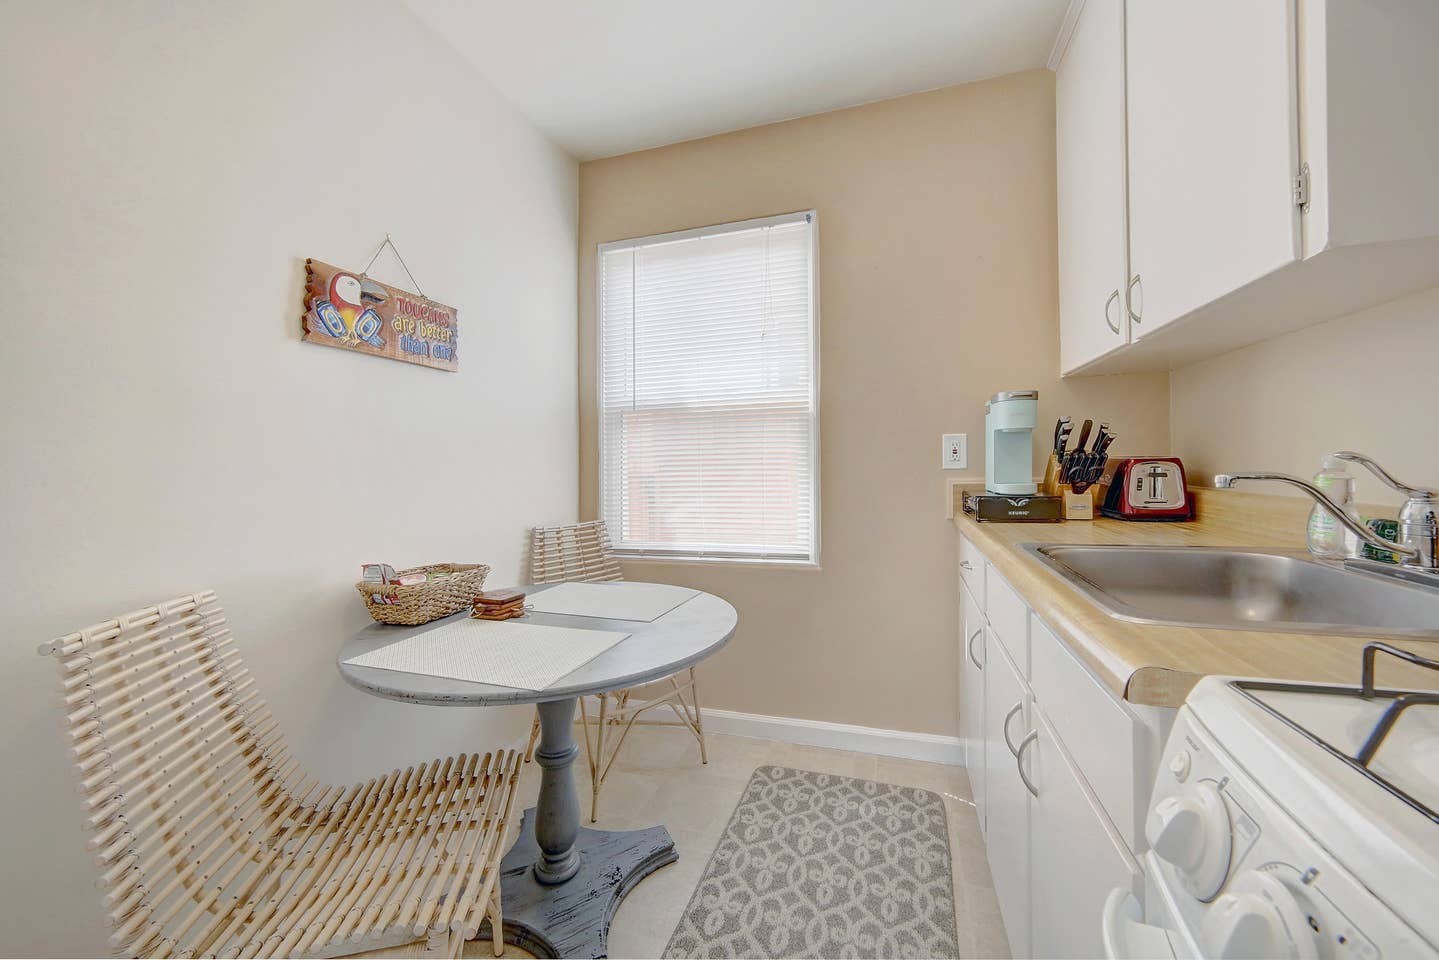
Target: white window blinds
[{"x": 707, "y": 392}]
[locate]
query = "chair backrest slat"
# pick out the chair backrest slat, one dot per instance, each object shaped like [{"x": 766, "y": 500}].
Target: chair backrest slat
[
  {"x": 184, "y": 653},
  {"x": 170, "y": 707},
  {"x": 168, "y": 755},
  {"x": 574, "y": 551}
]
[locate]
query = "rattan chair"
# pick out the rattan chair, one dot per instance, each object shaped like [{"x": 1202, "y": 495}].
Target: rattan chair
[
  {"x": 582, "y": 551},
  {"x": 211, "y": 843}
]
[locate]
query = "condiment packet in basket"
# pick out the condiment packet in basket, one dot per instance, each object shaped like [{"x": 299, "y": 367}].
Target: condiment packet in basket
[{"x": 377, "y": 573}]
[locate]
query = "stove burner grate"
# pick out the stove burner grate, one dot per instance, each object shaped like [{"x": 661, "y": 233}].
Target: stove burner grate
[{"x": 1399, "y": 701}]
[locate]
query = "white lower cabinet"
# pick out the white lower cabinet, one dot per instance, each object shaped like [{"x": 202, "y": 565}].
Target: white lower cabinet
[
  {"x": 1007, "y": 836},
  {"x": 1076, "y": 857},
  {"x": 1059, "y": 766},
  {"x": 972, "y": 656}
]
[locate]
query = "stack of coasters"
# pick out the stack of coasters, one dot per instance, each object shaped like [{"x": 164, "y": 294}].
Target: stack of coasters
[{"x": 498, "y": 605}]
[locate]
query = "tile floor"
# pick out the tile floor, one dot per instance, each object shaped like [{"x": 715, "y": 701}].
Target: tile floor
[{"x": 659, "y": 779}]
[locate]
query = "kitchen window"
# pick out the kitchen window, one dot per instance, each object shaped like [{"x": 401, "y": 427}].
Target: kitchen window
[{"x": 708, "y": 392}]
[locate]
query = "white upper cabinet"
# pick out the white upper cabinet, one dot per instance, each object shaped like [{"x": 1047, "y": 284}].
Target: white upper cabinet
[
  {"x": 1276, "y": 162},
  {"x": 1089, "y": 148},
  {"x": 1213, "y": 146},
  {"x": 1371, "y": 130}
]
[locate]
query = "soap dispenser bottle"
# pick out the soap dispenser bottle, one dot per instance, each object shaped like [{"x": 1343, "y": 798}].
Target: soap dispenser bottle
[{"x": 1327, "y": 537}]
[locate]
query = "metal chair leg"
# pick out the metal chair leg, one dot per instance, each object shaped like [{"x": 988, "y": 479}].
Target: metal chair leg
[
  {"x": 600, "y": 768},
  {"x": 699, "y": 718}
]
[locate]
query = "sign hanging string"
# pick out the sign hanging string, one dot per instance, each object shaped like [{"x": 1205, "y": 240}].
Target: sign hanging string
[{"x": 391, "y": 244}]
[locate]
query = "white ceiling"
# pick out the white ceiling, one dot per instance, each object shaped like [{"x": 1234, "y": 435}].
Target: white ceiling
[{"x": 604, "y": 77}]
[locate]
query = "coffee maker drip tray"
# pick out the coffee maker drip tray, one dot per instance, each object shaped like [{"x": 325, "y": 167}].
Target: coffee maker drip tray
[{"x": 1023, "y": 509}]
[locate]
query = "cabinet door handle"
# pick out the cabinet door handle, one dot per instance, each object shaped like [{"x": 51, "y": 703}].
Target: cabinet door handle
[
  {"x": 970, "y": 647},
  {"x": 1029, "y": 738},
  {"x": 966, "y": 565},
  {"x": 1112, "y": 324},
  {"x": 1004, "y": 727},
  {"x": 1135, "y": 281}
]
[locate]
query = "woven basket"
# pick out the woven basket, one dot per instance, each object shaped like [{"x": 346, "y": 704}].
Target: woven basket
[{"x": 431, "y": 600}]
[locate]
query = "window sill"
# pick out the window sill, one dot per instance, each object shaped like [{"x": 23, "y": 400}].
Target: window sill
[{"x": 798, "y": 565}]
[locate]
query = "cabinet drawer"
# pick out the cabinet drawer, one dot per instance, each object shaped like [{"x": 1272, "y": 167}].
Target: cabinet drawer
[
  {"x": 1096, "y": 730},
  {"x": 1008, "y": 616},
  {"x": 971, "y": 569}
]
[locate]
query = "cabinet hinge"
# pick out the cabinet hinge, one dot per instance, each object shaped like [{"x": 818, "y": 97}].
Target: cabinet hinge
[{"x": 1301, "y": 188}]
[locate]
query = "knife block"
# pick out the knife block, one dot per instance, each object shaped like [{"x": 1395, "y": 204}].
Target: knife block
[
  {"x": 1077, "y": 506},
  {"x": 1050, "y": 486}
]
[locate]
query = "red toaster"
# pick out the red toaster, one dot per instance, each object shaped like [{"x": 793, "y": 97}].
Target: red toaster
[{"x": 1148, "y": 488}]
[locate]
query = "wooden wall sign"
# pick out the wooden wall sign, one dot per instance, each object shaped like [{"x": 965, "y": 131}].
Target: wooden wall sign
[{"x": 349, "y": 310}]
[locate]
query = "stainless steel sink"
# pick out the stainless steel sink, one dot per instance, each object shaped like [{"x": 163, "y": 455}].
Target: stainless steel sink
[{"x": 1243, "y": 589}]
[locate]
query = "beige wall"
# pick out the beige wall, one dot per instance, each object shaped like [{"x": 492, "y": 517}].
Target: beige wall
[
  {"x": 1363, "y": 382},
  {"x": 167, "y": 168},
  {"x": 937, "y": 285}
]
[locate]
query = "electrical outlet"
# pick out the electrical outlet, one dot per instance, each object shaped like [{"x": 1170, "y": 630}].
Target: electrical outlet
[{"x": 956, "y": 451}]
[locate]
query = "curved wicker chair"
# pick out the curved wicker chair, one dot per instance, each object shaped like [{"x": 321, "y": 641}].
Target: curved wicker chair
[{"x": 210, "y": 842}]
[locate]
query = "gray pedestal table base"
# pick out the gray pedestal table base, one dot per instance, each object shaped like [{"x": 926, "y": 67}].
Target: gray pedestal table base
[
  {"x": 560, "y": 884},
  {"x": 572, "y": 919}
]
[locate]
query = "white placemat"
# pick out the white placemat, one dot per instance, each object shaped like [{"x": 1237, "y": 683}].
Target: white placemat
[
  {"x": 525, "y": 656},
  {"x": 612, "y": 601}
]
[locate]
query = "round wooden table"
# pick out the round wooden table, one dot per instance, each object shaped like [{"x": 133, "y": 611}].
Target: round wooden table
[{"x": 562, "y": 883}]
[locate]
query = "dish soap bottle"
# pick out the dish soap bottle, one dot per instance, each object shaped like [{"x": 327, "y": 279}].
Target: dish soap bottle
[{"x": 1327, "y": 538}]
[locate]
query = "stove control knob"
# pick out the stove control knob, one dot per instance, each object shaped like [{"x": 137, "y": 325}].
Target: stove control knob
[
  {"x": 1258, "y": 918},
  {"x": 1179, "y": 765},
  {"x": 1191, "y": 831}
]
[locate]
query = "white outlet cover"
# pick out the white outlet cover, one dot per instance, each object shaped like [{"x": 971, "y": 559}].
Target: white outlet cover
[{"x": 955, "y": 452}]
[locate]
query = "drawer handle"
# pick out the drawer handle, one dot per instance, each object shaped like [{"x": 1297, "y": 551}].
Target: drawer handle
[
  {"x": 970, "y": 646},
  {"x": 1004, "y": 727},
  {"x": 1110, "y": 323},
  {"x": 966, "y": 565},
  {"x": 1029, "y": 738}
]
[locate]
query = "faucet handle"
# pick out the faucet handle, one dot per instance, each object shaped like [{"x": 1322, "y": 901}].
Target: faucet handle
[{"x": 1413, "y": 493}]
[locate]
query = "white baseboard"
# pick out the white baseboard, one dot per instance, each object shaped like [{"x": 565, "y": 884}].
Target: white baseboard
[{"x": 840, "y": 736}]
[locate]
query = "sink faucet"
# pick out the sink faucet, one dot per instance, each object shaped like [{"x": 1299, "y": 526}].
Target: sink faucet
[{"x": 1418, "y": 543}]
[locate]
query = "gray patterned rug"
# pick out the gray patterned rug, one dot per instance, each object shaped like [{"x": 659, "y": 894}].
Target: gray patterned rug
[{"x": 815, "y": 865}]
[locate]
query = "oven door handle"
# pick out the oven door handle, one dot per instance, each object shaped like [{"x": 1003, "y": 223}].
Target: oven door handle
[{"x": 1126, "y": 935}]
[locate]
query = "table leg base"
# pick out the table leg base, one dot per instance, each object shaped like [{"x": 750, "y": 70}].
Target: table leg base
[{"x": 572, "y": 919}]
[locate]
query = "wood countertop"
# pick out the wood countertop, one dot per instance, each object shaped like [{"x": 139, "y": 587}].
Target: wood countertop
[{"x": 1157, "y": 665}]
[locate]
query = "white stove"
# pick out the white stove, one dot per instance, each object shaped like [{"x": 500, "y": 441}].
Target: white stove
[{"x": 1291, "y": 820}]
